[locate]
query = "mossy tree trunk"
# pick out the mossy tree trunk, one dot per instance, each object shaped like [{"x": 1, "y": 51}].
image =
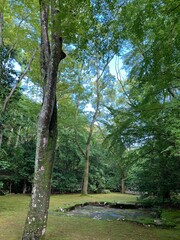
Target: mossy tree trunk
[{"x": 51, "y": 55}]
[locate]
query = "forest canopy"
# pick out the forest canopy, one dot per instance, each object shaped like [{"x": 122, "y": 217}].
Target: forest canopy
[{"x": 124, "y": 128}]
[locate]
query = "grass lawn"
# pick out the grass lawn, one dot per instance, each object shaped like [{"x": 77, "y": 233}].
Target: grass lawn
[{"x": 13, "y": 210}]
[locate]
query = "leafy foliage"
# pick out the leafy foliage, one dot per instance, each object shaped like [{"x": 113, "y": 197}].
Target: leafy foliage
[
  {"x": 138, "y": 117},
  {"x": 150, "y": 122}
]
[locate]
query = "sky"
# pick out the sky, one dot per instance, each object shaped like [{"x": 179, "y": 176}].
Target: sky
[
  {"x": 116, "y": 65},
  {"x": 116, "y": 62}
]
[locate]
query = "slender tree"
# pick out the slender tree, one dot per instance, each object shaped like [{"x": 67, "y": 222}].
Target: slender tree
[
  {"x": 7, "y": 51},
  {"x": 51, "y": 55},
  {"x": 99, "y": 69},
  {"x": 1, "y": 44},
  {"x": 91, "y": 128}
]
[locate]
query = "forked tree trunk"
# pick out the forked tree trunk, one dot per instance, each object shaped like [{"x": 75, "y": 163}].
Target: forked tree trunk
[{"x": 36, "y": 222}]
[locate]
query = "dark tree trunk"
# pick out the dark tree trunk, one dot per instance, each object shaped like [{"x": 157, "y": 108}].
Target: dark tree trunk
[
  {"x": 36, "y": 222},
  {"x": 122, "y": 181},
  {"x": 123, "y": 186},
  {"x": 10, "y": 187}
]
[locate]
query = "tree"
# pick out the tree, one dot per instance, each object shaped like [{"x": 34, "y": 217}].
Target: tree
[
  {"x": 98, "y": 70},
  {"x": 121, "y": 153},
  {"x": 18, "y": 148},
  {"x": 149, "y": 31},
  {"x": 11, "y": 79},
  {"x": 51, "y": 55},
  {"x": 68, "y": 168}
]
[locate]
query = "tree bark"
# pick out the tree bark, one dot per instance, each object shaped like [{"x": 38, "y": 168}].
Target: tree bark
[
  {"x": 122, "y": 181},
  {"x": 86, "y": 171},
  {"x": 123, "y": 185},
  {"x": 36, "y": 221},
  {"x": 51, "y": 55}
]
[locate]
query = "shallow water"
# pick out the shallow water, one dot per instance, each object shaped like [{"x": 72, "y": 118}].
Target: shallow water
[{"x": 107, "y": 213}]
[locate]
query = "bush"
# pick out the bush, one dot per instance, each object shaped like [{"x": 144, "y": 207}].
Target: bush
[
  {"x": 152, "y": 201},
  {"x": 65, "y": 184},
  {"x": 106, "y": 191}
]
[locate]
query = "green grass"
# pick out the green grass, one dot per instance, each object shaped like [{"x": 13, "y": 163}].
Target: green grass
[{"x": 13, "y": 210}]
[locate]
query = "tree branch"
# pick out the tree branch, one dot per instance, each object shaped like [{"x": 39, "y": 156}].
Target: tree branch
[
  {"x": 18, "y": 81},
  {"x": 123, "y": 88},
  {"x": 172, "y": 93}
]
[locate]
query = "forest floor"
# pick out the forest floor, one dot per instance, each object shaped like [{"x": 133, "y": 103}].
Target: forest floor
[{"x": 13, "y": 211}]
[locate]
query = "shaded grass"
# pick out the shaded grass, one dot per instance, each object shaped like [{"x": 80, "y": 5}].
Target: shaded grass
[{"x": 13, "y": 210}]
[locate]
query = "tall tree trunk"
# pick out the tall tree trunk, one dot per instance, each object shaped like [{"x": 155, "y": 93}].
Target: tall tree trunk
[
  {"x": 36, "y": 222},
  {"x": 123, "y": 185},
  {"x": 88, "y": 143},
  {"x": 1, "y": 44},
  {"x": 86, "y": 171},
  {"x": 10, "y": 187},
  {"x": 122, "y": 181}
]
